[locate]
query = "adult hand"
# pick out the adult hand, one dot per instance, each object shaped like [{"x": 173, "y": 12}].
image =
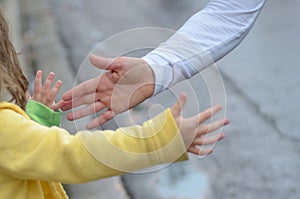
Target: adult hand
[{"x": 125, "y": 83}]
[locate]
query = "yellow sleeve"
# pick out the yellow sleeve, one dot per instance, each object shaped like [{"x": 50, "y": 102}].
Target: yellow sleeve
[{"x": 32, "y": 151}]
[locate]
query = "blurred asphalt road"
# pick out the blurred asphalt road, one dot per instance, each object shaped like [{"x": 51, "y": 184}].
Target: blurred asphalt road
[{"x": 260, "y": 157}]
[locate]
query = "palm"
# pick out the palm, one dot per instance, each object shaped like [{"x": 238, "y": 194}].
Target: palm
[{"x": 127, "y": 82}]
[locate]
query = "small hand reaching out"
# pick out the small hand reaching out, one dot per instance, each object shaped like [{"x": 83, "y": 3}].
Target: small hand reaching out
[
  {"x": 194, "y": 133},
  {"x": 44, "y": 94}
]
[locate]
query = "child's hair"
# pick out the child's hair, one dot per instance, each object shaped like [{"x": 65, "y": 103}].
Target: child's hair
[{"x": 12, "y": 77}]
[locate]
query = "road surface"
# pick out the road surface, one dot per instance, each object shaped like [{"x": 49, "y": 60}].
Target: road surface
[{"x": 260, "y": 157}]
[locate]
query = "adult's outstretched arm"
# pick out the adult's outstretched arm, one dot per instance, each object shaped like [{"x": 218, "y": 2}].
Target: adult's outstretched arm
[{"x": 205, "y": 38}]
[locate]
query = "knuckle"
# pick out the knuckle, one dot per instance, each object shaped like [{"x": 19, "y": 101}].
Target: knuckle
[{"x": 120, "y": 61}]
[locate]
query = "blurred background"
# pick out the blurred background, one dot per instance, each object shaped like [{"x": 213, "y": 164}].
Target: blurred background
[{"x": 260, "y": 156}]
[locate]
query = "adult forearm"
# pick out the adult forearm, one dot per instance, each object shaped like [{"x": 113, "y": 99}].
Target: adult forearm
[{"x": 205, "y": 38}]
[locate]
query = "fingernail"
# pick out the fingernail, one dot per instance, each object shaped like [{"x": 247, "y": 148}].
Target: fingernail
[
  {"x": 222, "y": 136},
  {"x": 226, "y": 121},
  {"x": 70, "y": 116},
  {"x": 38, "y": 73},
  {"x": 219, "y": 106}
]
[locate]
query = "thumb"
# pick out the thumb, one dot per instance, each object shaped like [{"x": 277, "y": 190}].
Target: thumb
[
  {"x": 179, "y": 105},
  {"x": 103, "y": 62}
]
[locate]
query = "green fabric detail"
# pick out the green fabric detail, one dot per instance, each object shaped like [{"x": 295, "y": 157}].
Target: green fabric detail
[{"x": 43, "y": 114}]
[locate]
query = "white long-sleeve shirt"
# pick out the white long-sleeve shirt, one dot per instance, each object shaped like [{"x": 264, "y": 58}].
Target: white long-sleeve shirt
[{"x": 205, "y": 38}]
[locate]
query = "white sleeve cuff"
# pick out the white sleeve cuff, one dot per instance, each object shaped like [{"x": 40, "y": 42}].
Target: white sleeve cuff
[{"x": 162, "y": 72}]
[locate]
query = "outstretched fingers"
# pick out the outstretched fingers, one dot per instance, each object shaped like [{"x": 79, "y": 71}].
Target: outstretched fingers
[
  {"x": 207, "y": 114},
  {"x": 54, "y": 91},
  {"x": 85, "y": 111},
  {"x": 47, "y": 84},
  {"x": 37, "y": 87},
  {"x": 198, "y": 144},
  {"x": 43, "y": 93},
  {"x": 202, "y": 137},
  {"x": 101, "y": 119},
  {"x": 82, "y": 89},
  {"x": 86, "y": 99},
  {"x": 209, "y": 140},
  {"x": 208, "y": 128}
]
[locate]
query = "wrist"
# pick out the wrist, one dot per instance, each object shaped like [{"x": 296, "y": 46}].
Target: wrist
[
  {"x": 43, "y": 114},
  {"x": 162, "y": 77},
  {"x": 149, "y": 87}
]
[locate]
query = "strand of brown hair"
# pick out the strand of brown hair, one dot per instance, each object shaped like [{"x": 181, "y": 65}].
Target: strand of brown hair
[{"x": 12, "y": 77}]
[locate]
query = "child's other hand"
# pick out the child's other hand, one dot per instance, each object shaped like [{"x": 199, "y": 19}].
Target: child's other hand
[
  {"x": 193, "y": 133},
  {"x": 43, "y": 93}
]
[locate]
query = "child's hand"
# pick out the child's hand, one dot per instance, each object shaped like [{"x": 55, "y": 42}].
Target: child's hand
[
  {"x": 193, "y": 133},
  {"x": 44, "y": 94}
]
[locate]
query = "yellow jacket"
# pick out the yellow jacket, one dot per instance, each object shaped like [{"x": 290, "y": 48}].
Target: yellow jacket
[{"x": 34, "y": 157}]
